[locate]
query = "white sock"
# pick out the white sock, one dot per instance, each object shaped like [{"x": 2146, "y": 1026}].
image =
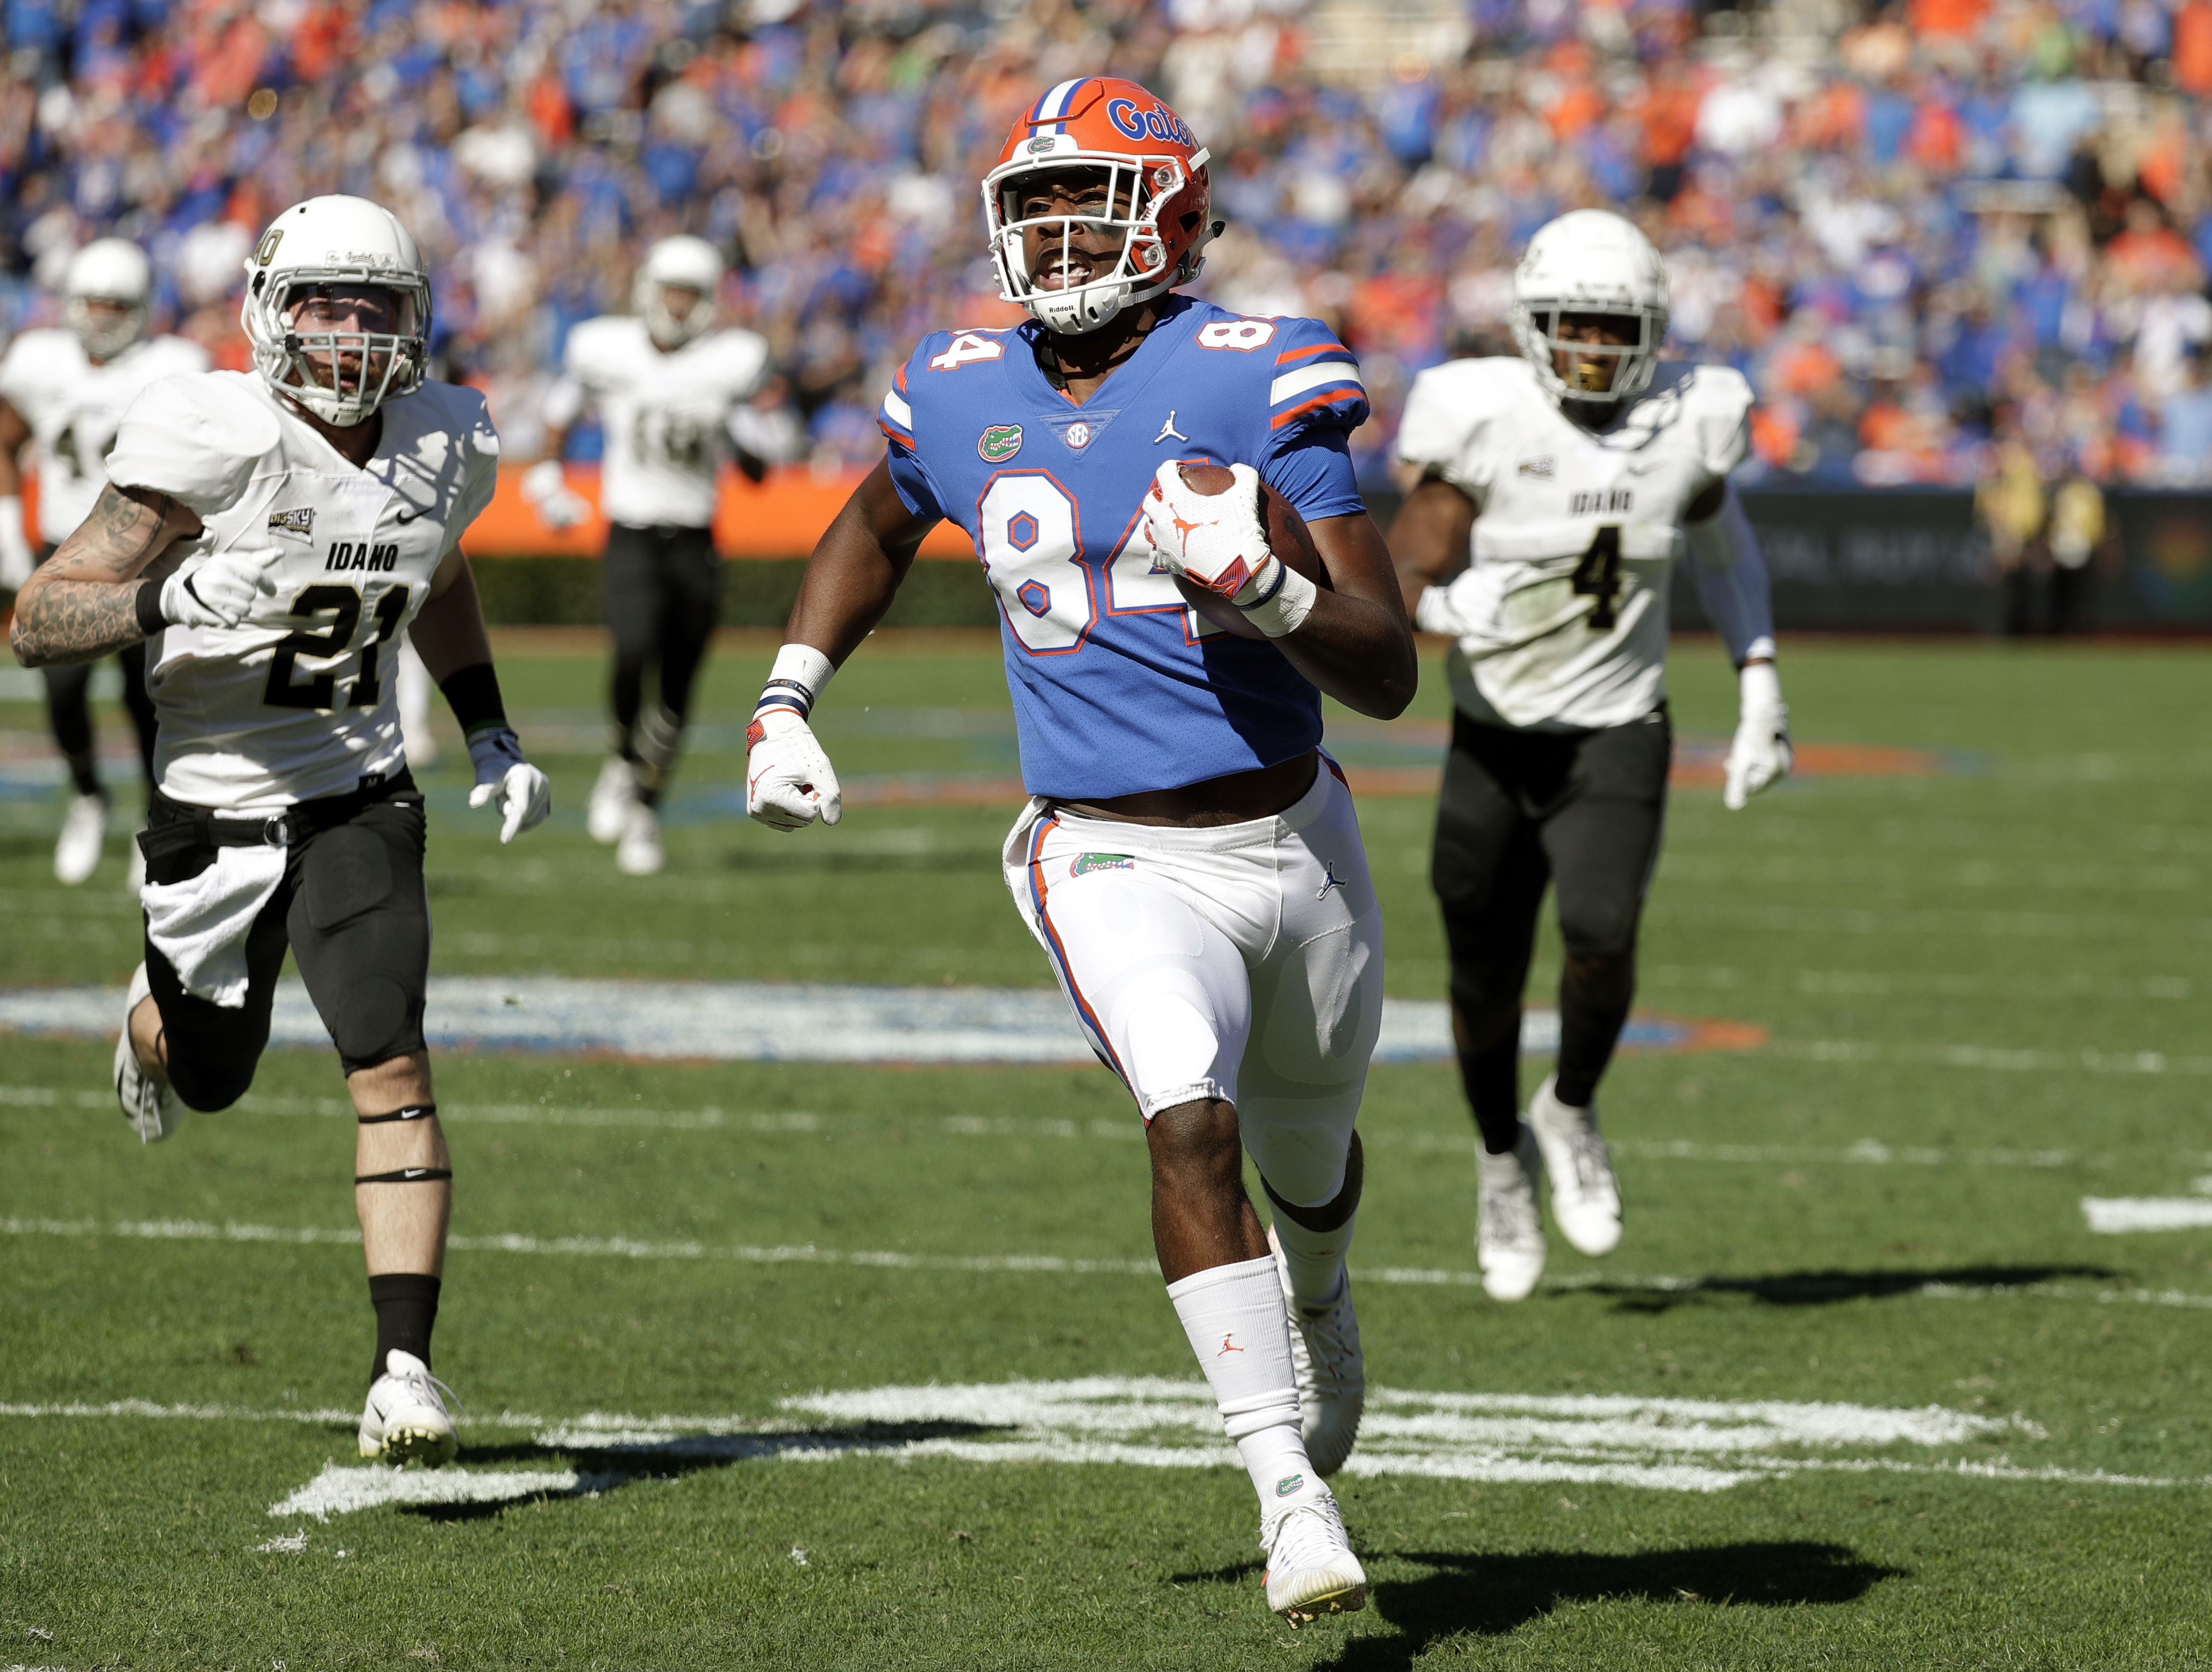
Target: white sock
[
  {"x": 1234, "y": 1317},
  {"x": 1314, "y": 1259}
]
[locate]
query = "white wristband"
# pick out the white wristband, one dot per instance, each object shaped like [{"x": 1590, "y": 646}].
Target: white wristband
[
  {"x": 1759, "y": 687},
  {"x": 797, "y": 681},
  {"x": 1284, "y": 610}
]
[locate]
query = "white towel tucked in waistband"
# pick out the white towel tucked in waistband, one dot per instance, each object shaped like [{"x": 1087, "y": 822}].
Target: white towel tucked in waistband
[{"x": 200, "y": 924}]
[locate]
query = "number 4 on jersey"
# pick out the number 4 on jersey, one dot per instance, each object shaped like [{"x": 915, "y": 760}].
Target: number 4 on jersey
[
  {"x": 1598, "y": 575},
  {"x": 967, "y": 346}
]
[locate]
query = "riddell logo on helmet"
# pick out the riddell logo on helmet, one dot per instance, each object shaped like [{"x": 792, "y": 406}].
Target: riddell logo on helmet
[{"x": 1157, "y": 123}]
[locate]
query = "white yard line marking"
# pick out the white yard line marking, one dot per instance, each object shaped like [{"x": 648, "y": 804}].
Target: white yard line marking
[
  {"x": 1867, "y": 1152},
  {"x": 626, "y": 1247},
  {"x": 2003, "y": 1059},
  {"x": 2114, "y": 1216},
  {"x": 340, "y": 1491},
  {"x": 1150, "y": 1422}
]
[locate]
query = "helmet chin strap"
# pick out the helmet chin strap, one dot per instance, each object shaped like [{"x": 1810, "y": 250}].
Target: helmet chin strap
[{"x": 1078, "y": 312}]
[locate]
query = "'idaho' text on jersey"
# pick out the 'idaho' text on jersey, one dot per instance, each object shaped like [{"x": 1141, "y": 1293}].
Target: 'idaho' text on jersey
[
  {"x": 1118, "y": 687},
  {"x": 73, "y": 408},
  {"x": 1576, "y": 533},
  {"x": 665, "y": 416},
  {"x": 298, "y": 701}
]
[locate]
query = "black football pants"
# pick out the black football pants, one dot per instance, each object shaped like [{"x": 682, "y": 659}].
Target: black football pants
[
  {"x": 663, "y": 592},
  {"x": 1581, "y": 810},
  {"x": 352, "y": 910}
]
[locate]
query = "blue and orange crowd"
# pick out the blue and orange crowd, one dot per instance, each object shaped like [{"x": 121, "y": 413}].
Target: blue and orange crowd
[{"x": 1920, "y": 228}]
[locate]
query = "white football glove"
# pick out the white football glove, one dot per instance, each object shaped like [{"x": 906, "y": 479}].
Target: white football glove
[
  {"x": 221, "y": 592},
  {"x": 558, "y": 506},
  {"x": 524, "y": 795},
  {"x": 1216, "y": 541},
  {"x": 1760, "y": 754},
  {"x": 15, "y": 560},
  {"x": 789, "y": 783}
]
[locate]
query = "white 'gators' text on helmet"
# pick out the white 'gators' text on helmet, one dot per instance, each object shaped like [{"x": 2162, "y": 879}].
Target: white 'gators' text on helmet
[
  {"x": 343, "y": 242},
  {"x": 682, "y": 263},
  {"x": 1590, "y": 261},
  {"x": 108, "y": 270}
]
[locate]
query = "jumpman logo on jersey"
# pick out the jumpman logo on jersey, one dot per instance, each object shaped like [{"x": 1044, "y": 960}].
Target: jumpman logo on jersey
[
  {"x": 1166, "y": 430},
  {"x": 1329, "y": 870},
  {"x": 1226, "y": 1346}
]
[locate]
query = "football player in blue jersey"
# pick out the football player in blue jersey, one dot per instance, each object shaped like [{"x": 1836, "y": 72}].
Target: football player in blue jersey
[{"x": 1189, "y": 859}]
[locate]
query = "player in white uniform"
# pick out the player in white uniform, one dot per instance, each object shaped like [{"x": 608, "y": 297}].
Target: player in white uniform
[
  {"x": 269, "y": 536},
  {"x": 1555, "y": 493},
  {"x": 62, "y": 394},
  {"x": 666, "y": 384}
]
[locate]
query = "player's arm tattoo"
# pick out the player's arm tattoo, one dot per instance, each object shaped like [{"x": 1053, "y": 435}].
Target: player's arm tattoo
[{"x": 81, "y": 603}]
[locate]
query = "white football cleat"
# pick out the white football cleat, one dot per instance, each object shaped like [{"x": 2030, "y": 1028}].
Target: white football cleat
[
  {"x": 1508, "y": 1234},
  {"x": 1585, "y": 1195},
  {"x": 151, "y": 1107},
  {"x": 612, "y": 798},
  {"x": 1311, "y": 1570},
  {"x": 84, "y": 829},
  {"x": 1332, "y": 1373},
  {"x": 134, "y": 872},
  {"x": 640, "y": 853},
  {"x": 405, "y": 1420}
]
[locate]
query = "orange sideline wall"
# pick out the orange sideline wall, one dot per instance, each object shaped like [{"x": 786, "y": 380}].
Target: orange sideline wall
[{"x": 782, "y": 517}]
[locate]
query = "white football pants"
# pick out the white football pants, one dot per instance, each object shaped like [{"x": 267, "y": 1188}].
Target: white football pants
[{"x": 1243, "y": 962}]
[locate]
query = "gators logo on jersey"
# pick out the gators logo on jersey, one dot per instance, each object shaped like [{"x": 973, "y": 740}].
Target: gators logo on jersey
[
  {"x": 1085, "y": 863},
  {"x": 1000, "y": 442}
]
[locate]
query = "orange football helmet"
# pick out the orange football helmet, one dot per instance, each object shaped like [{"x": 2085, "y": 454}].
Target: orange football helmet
[{"x": 1159, "y": 197}]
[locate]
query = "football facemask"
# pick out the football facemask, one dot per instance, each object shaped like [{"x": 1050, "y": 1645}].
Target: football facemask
[
  {"x": 337, "y": 308},
  {"x": 1129, "y": 209},
  {"x": 1590, "y": 261}
]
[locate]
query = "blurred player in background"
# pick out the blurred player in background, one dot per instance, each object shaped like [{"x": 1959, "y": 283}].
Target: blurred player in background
[
  {"x": 1189, "y": 860},
  {"x": 268, "y": 536},
  {"x": 63, "y": 391},
  {"x": 666, "y": 384},
  {"x": 1554, "y": 493}
]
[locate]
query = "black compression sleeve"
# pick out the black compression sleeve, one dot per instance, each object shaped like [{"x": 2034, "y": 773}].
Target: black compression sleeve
[
  {"x": 148, "y": 605},
  {"x": 474, "y": 693}
]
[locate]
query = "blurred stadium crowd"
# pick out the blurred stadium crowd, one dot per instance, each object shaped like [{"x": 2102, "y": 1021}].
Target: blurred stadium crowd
[{"x": 1929, "y": 232}]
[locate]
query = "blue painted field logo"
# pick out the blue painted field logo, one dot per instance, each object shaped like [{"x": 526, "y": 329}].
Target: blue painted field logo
[
  {"x": 1085, "y": 863},
  {"x": 1000, "y": 443}
]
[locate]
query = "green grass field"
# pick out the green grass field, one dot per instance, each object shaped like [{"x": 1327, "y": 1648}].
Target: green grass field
[{"x": 1982, "y": 991}]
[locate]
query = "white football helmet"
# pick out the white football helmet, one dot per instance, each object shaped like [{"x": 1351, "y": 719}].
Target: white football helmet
[
  {"x": 1590, "y": 261},
  {"x": 350, "y": 243},
  {"x": 683, "y": 262},
  {"x": 107, "y": 270}
]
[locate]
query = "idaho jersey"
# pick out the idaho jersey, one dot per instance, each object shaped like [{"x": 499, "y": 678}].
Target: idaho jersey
[
  {"x": 299, "y": 700},
  {"x": 1118, "y": 686},
  {"x": 73, "y": 408},
  {"x": 1563, "y": 607},
  {"x": 666, "y": 415}
]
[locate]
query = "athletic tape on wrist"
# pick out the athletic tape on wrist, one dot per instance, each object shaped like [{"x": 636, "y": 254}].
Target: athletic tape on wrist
[
  {"x": 1285, "y": 610},
  {"x": 419, "y": 1111},
  {"x": 405, "y": 1175},
  {"x": 797, "y": 681}
]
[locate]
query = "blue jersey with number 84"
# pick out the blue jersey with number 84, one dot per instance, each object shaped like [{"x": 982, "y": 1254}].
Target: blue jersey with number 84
[{"x": 1118, "y": 686}]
